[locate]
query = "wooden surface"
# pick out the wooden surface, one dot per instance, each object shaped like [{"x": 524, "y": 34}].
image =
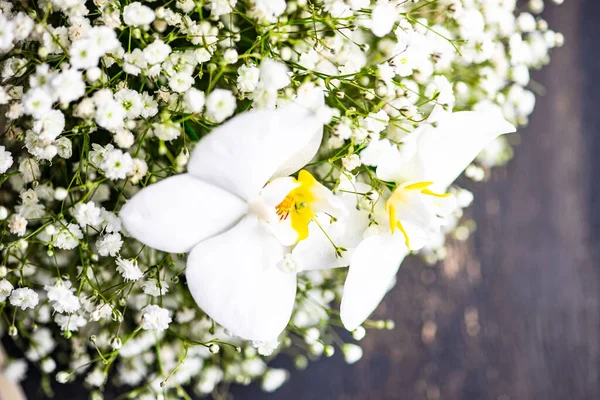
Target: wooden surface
[{"x": 513, "y": 313}]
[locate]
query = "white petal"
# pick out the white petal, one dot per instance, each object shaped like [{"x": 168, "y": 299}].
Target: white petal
[
  {"x": 395, "y": 164},
  {"x": 176, "y": 213},
  {"x": 316, "y": 251},
  {"x": 374, "y": 266},
  {"x": 256, "y": 145},
  {"x": 277, "y": 190},
  {"x": 234, "y": 278},
  {"x": 446, "y": 150},
  {"x": 283, "y": 231}
]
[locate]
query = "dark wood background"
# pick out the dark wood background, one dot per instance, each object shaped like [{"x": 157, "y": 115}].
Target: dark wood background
[{"x": 514, "y": 312}]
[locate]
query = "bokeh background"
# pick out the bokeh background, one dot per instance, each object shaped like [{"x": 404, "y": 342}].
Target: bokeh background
[{"x": 513, "y": 313}]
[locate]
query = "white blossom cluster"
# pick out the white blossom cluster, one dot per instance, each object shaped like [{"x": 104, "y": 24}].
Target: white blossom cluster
[{"x": 100, "y": 99}]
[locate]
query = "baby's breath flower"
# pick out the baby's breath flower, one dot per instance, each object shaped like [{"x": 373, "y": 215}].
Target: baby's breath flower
[
  {"x": 128, "y": 269},
  {"x": 155, "y": 318},
  {"x": 24, "y": 298}
]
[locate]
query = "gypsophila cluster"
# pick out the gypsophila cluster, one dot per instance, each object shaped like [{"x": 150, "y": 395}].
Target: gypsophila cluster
[{"x": 101, "y": 99}]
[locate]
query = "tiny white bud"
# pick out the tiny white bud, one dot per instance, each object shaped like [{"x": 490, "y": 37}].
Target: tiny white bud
[
  {"x": 93, "y": 74},
  {"x": 214, "y": 348},
  {"x": 352, "y": 353},
  {"x": 3, "y": 213},
  {"x": 62, "y": 377},
  {"x": 60, "y": 193},
  {"x": 50, "y": 230},
  {"x": 116, "y": 343},
  {"x": 359, "y": 333},
  {"x": 329, "y": 351}
]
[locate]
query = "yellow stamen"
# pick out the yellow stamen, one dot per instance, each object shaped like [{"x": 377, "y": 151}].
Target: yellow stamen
[
  {"x": 418, "y": 185},
  {"x": 297, "y": 205},
  {"x": 392, "y": 214},
  {"x": 440, "y": 195},
  {"x": 401, "y": 227}
]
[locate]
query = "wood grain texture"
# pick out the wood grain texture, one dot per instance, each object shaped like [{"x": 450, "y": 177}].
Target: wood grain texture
[{"x": 514, "y": 312}]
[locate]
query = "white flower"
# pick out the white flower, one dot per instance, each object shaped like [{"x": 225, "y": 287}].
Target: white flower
[
  {"x": 112, "y": 223},
  {"x": 124, "y": 138},
  {"x": 5, "y": 289},
  {"x": 155, "y": 318},
  {"x": 247, "y": 79},
  {"x": 253, "y": 148},
  {"x": 128, "y": 269},
  {"x": 273, "y": 75},
  {"x": 266, "y": 348},
  {"x": 273, "y": 379},
  {"x": 87, "y": 214},
  {"x": 352, "y": 353},
  {"x": 23, "y": 25},
  {"x": 93, "y": 74},
  {"x": 181, "y": 81},
  {"x": 139, "y": 170},
  {"x": 96, "y": 378},
  {"x": 17, "y": 225},
  {"x": 137, "y": 14},
  {"x": 109, "y": 244},
  {"x": 209, "y": 378},
  {"x": 24, "y": 298},
  {"x": 150, "y": 105},
  {"x": 131, "y": 101},
  {"x": 194, "y": 100},
  {"x": 110, "y": 115},
  {"x": 383, "y": 18},
  {"x": 62, "y": 298},
  {"x": 377, "y": 122},
  {"x": 134, "y": 62},
  {"x": 117, "y": 165},
  {"x": 351, "y": 162},
  {"x": 202, "y": 55},
  {"x": 70, "y": 322},
  {"x": 155, "y": 288},
  {"x": 415, "y": 211},
  {"x": 64, "y": 147},
  {"x": 37, "y": 102},
  {"x": 84, "y": 54},
  {"x": 104, "y": 39},
  {"x": 68, "y": 237},
  {"x": 157, "y": 52},
  {"x": 230, "y": 56},
  {"x": 48, "y": 365},
  {"x": 268, "y": 10},
  {"x": 60, "y": 193},
  {"x": 102, "y": 311},
  {"x": 29, "y": 169},
  {"x": 6, "y": 160},
  {"x": 42, "y": 344},
  {"x": 220, "y": 105},
  {"x": 166, "y": 131},
  {"x": 69, "y": 85},
  {"x": 50, "y": 125}
]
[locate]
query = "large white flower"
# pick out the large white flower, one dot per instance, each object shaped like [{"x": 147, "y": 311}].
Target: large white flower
[
  {"x": 238, "y": 212},
  {"x": 428, "y": 162},
  {"x": 416, "y": 208}
]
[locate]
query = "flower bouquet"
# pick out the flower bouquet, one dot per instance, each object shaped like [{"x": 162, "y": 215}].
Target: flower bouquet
[{"x": 191, "y": 187}]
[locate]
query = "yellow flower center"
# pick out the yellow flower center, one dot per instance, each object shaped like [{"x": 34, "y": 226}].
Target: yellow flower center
[
  {"x": 297, "y": 205},
  {"x": 401, "y": 197}
]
